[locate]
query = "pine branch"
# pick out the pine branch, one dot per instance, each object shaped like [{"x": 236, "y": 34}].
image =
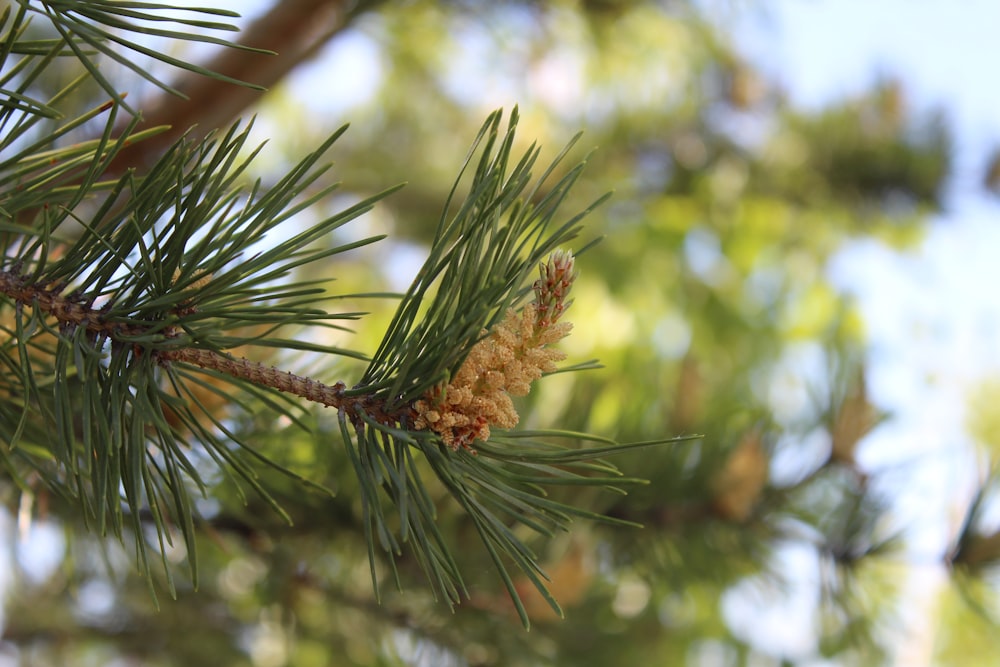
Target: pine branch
[
  {"x": 90, "y": 27},
  {"x": 162, "y": 266},
  {"x": 114, "y": 332},
  {"x": 71, "y": 312},
  {"x": 134, "y": 307}
]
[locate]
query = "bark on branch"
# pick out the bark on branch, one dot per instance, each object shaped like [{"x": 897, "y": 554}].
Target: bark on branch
[
  {"x": 293, "y": 29},
  {"x": 70, "y": 312}
]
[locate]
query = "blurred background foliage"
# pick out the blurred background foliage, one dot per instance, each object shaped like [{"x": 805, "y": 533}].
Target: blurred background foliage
[{"x": 709, "y": 304}]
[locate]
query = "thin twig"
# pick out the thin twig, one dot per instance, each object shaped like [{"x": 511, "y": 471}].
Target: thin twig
[
  {"x": 77, "y": 313},
  {"x": 253, "y": 371}
]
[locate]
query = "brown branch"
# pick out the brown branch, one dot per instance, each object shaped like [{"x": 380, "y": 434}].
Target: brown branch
[
  {"x": 331, "y": 396},
  {"x": 68, "y": 311},
  {"x": 50, "y": 300},
  {"x": 294, "y": 30}
]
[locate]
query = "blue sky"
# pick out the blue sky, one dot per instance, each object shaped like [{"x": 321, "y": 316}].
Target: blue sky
[{"x": 932, "y": 313}]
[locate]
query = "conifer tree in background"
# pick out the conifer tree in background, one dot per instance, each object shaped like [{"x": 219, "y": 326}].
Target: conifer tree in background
[{"x": 194, "y": 403}]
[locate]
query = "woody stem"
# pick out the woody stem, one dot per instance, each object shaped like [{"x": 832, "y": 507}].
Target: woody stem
[
  {"x": 77, "y": 313},
  {"x": 253, "y": 371}
]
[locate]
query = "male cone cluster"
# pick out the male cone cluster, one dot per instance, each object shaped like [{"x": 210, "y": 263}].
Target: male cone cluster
[{"x": 512, "y": 355}]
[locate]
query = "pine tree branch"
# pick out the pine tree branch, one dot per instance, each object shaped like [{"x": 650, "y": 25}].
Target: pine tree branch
[
  {"x": 331, "y": 396},
  {"x": 132, "y": 319},
  {"x": 131, "y": 323},
  {"x": 70, "y": 312},
  {"x": 291, "y": 32}
]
